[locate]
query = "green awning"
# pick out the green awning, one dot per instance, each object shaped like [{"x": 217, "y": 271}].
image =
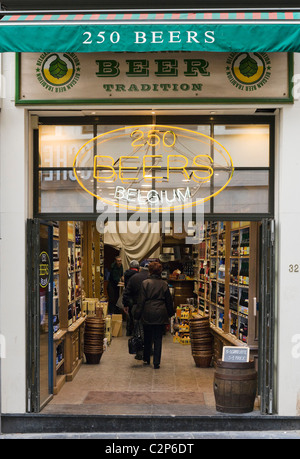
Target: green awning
[{"x": 260, "y": 31}]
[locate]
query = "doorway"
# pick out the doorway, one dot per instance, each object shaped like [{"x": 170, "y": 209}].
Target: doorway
[
  {"x": 196, "y": 274},
  {"x": 230, "y": 215}
]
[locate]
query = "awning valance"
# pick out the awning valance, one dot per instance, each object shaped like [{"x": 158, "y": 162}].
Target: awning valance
[{"x": 253, "y": 31}]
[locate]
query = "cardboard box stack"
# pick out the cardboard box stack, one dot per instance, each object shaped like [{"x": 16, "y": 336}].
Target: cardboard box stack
[
  {"x": 89, "y": 305},
  {"x": 181, "y": 327}
]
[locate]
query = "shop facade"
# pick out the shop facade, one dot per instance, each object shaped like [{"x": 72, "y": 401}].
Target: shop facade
[{"x": 188, "y": 90}]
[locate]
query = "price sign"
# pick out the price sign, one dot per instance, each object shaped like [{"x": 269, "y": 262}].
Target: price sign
[{"x": 235, "y": 354}]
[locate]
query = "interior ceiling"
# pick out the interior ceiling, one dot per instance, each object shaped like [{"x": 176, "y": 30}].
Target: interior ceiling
[{"x": 24, "y": 5}]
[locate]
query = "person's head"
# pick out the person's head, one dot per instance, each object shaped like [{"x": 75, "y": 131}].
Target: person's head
[
  {"x": 134, "y": 264},
  {"x": 144, "y": 264},
  {"x": 155, "y": 268},
  {"x": 118, "y": 261}
]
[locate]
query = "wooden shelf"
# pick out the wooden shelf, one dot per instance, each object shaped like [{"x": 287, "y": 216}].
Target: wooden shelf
[
  {"x": 75, "y": 325},
  {"x": 60, "y": 381},
  {"x": 66, "y": 239},
  {"x": 59, "y": 335}
]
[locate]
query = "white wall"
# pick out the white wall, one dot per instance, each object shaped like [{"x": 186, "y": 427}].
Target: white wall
[
  {"x": 12, "y": 245},
  {"x": 288, "y": 229}
]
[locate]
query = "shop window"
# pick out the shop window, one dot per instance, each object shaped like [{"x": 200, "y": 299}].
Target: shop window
[
  {"x": 247, "y": 145},
  {"x": 247, "y": 190}
]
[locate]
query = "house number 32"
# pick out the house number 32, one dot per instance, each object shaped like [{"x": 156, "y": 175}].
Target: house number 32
[{"x": 293, "y": 268}]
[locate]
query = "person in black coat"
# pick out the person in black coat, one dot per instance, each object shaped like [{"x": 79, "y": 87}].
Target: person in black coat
[
  {"x": 133, "y": 287},
  {"x": 133, "y": 269},
  {"x": 155, "y": 307},
  {"x": 113, "y": 289},
  {"x": 130, "y": 297}
]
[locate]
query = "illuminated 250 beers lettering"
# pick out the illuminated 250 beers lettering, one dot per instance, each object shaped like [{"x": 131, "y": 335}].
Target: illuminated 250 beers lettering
[{"x": 159, "y": 157}]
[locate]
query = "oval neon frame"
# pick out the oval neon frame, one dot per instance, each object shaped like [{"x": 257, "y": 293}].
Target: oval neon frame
[{"x": 150, "y": 209}]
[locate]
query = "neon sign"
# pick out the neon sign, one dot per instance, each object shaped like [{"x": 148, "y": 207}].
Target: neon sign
[{"x": 153, "y": 167}]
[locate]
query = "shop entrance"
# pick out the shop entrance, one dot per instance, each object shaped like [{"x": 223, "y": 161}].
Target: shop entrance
[
  {"x": 226, "y": 274},
  {"x": 225, "y": 277}
]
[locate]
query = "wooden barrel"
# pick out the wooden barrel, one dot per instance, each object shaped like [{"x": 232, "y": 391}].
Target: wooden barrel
[
  {"x": 201, "y": 341},
  {"x": 235, "y": 385},
  {"x": 93, "y": 339},
  {"x": 202, "y": 359}
]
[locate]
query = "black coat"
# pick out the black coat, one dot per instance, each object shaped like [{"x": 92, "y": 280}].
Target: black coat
[
  {"x": 155, "y": 303},
  {"x": 128, "y": 274},
  {"x": 132, "y": 290}
]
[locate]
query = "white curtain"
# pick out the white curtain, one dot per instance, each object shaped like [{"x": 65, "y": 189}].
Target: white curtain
[{"x": 135, "y": 240}]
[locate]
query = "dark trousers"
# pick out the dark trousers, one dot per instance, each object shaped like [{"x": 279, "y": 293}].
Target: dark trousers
[
  {"x": 113, "y": 295},
  {"x": 153, "y": 333}
]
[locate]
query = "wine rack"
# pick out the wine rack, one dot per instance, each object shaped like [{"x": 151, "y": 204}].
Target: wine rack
[
  {"x": 93, "y": 255},
  {"x": 67, "y": 302},
  {"x": 59, "y": 376},
  {"x": 74, "y": 272},
  {"x": 55, "y": 278},
  {"x": 228, "y": 275}
]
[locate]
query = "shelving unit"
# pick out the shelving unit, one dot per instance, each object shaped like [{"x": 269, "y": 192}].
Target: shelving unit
[
  {"x": 68, "y": 352},
  {"x": 74, "y": 272},
  {"x": 101, "y": 268},
  {"x": 93, "y": 267},
  {"x": 226, "y": 285},
  {"x": 59, "y": 375},
  {"x": 59, "y": 335},
  {"x": 55, "y": 280},
  {"x": 78, "y": 265}
]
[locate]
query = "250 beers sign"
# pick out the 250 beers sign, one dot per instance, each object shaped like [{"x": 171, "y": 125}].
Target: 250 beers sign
[{"x": 141, "y": 168}]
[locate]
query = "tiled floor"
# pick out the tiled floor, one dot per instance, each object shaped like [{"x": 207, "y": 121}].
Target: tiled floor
[{"x": 120, "y": 385}]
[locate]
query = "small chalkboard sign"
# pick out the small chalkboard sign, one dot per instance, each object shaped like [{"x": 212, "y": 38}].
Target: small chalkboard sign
[{"x": 235, "y": 354}]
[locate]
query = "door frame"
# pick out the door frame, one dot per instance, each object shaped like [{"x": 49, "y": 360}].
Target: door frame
[
  {"x": 266, "y": 347},
  {"x": 33, "y": 402},
  {"x": 267, "y": 297}
]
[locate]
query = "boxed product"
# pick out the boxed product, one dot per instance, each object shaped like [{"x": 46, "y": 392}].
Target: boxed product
[
  {"x": 176, "y": 338},
  {"x": 89, "y": 305},
  {"x": 108, "y": 336},
  {"x": 84, "y": 307},
  {"x": 108, "y": 323},
  {"x": 99, "y": 311},
  {"x": 116, "y": 325},
  {"x": 108, "y": 328},
  {"x": 104, "y": 305}
]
